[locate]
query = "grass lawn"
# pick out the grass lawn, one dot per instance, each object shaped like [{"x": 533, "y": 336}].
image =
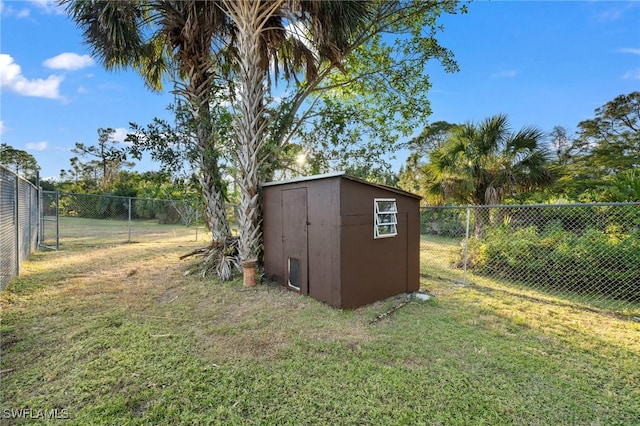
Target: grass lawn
[
  {"x": 79, "y": 233},
  {"x": 120, "y": 335}
]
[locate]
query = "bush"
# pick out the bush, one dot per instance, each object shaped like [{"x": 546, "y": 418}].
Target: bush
[
  {"x": 445, "y": 222},
  {"x": 590, "y": 262}
]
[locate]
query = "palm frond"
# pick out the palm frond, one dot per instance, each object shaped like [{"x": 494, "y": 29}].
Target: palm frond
[{"x": 113, "y": 29}]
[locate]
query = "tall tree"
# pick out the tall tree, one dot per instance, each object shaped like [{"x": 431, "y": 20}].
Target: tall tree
[
  {"x": 107, "y": 160},
  {"x": 415, "y": 174},
  {"x": 302, "y": 43},
  {"x": 21, "y": 162},
  {"x": 350, "y": 114},
  {"x": 603, "y": 148},
  {"x": 261, "y": 36},
  {"x": 174, "y": 144},
  {"x": 482, "y": 164},
  {"x": 614, "y": 135},
  {"x": 334, "y": 42},
  {"x": 154, "y": 38}
]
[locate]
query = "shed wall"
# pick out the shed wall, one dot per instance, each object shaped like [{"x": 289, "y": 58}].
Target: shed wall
[
  {"x": 272, "y": 232},
  {"x": 324, "y": 241},
  {"x": 323, "y": 233},
  {"x": 374, "y": 269}
]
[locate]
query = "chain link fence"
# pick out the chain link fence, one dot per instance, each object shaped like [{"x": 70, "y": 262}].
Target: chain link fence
[
  {"x": 71, "y": 220},
  {"x": 18, "y": 223},
  {"x": 81, "y": 220},
  {"x": 580, "y": 253}
]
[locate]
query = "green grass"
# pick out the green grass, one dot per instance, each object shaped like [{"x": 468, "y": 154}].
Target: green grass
[
  {"x": 119, "y": 334},
  {"x": 79, "y": 233}
]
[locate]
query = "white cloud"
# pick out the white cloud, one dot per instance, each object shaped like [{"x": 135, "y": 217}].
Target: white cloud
[
  {"x": 49, "y": 6},
  {"x": 612, "y": 14},
  {"x": 610, "y": 11},
  {"x": 632, "y": 74},
  {"x": 632, "y": 50},
  {"x": 37, "y": 146},
  {"x": 2, "y": 127},
  {"x": 120, "y": 134},
  {"x": 45, "y": 6},
  {"x": 505, "y": 74},
  {"x": 11, "y": 78},
  {"x": 69, "y": 61},
  {"x": 7, "y": 10}
]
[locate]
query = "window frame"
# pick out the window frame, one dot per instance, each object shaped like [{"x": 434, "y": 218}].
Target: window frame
[{"x": 388, "y": 227}]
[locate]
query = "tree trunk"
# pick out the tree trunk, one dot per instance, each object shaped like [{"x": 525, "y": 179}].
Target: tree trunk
[
  {"x": 198, "y": 94},
  {"x": 250, "y": 18},
  {"x": 214, "y": 200},
  {"x": 481, "y": 215}
]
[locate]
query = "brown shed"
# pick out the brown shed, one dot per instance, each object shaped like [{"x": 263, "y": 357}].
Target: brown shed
[{"x": 341, "y": 240}]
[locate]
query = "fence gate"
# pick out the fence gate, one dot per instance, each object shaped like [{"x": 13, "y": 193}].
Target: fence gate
[{"x": 49, "y": 220}]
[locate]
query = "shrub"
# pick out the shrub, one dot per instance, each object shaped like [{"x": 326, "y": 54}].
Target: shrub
[
  {"x": 593, "y": 261},
  {"x": 443, "y": 221}
]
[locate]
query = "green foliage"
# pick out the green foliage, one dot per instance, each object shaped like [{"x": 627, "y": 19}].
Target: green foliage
[
  {"x": 18, "y": 161},
  {"x": 102, "y": 170},
  {"x": 481, "y": 164},
  {"x": 589, "y": 165},
  {"x": 415, "y": 176},
  {"x": 598, "y": 164},
  {"x": 585, "y": 261},
  {"x": 93, "y": 206},
  {"x": 355, "y": 116},
  {"x": 176, "y": 145},
  {"x": 614, "y": 135},
  {"x": 622, "y": 187},
  {"x": 45, "y": 184},
  {"x": 443, "y": 222},
  {"x": 476, "y": 164}
]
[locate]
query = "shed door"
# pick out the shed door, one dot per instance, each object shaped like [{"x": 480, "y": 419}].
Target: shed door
[{"x": 294, "y": 238}]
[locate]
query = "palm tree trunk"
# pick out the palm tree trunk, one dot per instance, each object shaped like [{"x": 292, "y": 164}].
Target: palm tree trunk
[
  {"x": 198, "y": 94},
  {"x": 250, "y": 17},
  {"x": 481, "y": 215},
  {"x": 214, "y": 198}
]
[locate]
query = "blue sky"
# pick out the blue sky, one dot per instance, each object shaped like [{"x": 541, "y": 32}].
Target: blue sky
[{"x": 541, "y": 63}]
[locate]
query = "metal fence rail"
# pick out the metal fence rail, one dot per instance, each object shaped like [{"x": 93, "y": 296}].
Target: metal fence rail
[
  {"x": 19, "y": 205},
  {"x": 582, "y": 253}
]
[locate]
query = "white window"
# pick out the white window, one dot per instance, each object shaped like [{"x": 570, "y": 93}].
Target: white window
[{"x": 386, "y": 220}]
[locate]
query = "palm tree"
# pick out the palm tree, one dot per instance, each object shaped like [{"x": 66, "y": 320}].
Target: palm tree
[
  {"x": 153, "y": 37},
  {"x": 247, "y": 42},
  {"x": 481, "y": 164},
  {"x": 263, "y": 40}
]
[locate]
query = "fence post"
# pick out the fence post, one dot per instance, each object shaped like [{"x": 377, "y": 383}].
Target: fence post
[
  {"x": 129, "y": 220},
  {"x": 466, "y": 248},
  {"x": 40, "y": 218},
  {"x": 16, "y": 221},
  {"x": 39, "y": 210},
  {"x": 57, "y": 220}
]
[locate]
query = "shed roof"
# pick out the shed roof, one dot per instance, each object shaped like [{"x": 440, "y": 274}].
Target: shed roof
[{"x": 345, "y": 176}]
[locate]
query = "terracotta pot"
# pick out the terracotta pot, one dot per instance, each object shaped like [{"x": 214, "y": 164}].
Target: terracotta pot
[{"x": 249, "y": 272}]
